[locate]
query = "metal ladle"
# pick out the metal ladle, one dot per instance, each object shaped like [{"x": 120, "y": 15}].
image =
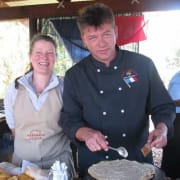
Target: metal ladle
[{"x": 121, "y": 150}]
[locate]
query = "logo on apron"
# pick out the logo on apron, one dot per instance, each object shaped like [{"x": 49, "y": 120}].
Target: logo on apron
[{"x": 35, "y": 135}]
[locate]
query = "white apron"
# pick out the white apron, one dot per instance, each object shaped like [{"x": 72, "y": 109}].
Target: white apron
[{"x": 38, "y": 137}]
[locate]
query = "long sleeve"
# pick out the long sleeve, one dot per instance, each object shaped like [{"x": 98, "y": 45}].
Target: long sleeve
[
  {"x": 162, "y": 108},
  {"x": 174, "y": 90},
  {"x": 9, "y": 100},
  {"x": 71, "y": 114}
]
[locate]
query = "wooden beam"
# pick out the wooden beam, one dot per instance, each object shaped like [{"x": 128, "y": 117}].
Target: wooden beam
[{"x": 71, "y": 8}]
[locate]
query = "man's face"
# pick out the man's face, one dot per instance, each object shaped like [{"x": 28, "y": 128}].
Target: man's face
[{"x": 101, "y": 41}]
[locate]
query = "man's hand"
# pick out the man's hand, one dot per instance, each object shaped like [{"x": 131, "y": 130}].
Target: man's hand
[
  {"x": 158, "y": 137},
  {"x": 94, "y": 140}
]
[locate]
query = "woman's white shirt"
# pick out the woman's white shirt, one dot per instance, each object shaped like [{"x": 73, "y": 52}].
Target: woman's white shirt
[{"x": 37, "y": 101}]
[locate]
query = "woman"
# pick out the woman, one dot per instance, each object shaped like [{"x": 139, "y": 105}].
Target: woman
[{"x": 32, "y": 107}]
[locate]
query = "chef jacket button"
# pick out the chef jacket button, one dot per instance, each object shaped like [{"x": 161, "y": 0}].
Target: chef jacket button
[
  {"x": 106, "y": 137},
  {"x": 107, "y": 157},
  {"x": 123, "y": 134},
  {"x": 122, "y": 111},
  {"x": 104, "y": 113},
  {"x": 115, "y": 67},
  {"x": 98, "y": 70},
  {"x": 101, "y": 91},
  {"x": 120, "y": 88}
]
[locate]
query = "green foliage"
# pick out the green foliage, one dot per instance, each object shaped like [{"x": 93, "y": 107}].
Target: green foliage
[
  {"x": 173, "y": 61},
  {"x": 14, "y": 45}
]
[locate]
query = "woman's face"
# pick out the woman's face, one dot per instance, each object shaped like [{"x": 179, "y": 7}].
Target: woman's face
[{"x": 43, "y": 57}]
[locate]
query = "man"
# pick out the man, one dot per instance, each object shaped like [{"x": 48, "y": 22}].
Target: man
[
  {"x": 109, "y": 95},
  {"x": 171, "y": 155}
]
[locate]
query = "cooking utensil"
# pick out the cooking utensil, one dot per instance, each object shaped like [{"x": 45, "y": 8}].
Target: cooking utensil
[
  {"x": 121, "y": 150},
  {"x": 146, "y": 149}
]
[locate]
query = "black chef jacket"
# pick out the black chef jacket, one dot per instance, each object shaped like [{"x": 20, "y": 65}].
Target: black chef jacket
[{"x": 116, "y": 100}]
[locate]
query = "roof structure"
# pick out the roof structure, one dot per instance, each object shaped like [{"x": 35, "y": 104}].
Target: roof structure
[{"x": 13, "y": 9}]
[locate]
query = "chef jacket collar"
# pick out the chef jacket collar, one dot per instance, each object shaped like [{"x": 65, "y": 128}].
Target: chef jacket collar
[{"x": 114, "y": 62}]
